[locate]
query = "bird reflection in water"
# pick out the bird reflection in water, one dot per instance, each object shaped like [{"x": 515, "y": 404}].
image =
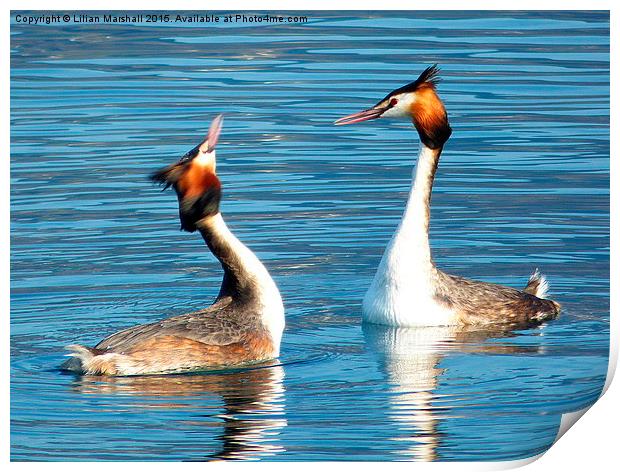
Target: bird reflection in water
[
  {"x": 253, "y": 404},
  {"x": 410, "y": 358}
]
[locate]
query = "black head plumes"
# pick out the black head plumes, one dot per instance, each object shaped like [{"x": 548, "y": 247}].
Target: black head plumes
[{"x": 429, "y": 77}]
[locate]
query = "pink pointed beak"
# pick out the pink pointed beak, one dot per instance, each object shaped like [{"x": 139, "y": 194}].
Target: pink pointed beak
[
  {"x": 370, "y": 114},
  {"x": 214, "y": 132}
]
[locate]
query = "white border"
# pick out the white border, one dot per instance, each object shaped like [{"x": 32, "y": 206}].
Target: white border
[{"x": 591, "y": 445}]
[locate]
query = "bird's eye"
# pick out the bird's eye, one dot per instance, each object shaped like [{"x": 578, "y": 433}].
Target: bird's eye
[{"x": 393, "y": 102}]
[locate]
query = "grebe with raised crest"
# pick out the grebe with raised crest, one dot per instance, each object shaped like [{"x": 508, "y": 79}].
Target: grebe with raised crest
[
  {"x": 245, "y": 323},
  {"x": 408, "y": 289}
]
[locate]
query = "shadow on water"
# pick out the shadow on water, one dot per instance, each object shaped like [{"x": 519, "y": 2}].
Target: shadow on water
[
  {"x": 253, "y": 404},
  {"x": 410, "y": 359}
]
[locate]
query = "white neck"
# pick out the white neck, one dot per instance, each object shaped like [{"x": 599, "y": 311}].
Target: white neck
[
  {"x": 245, "y": 277},
  {"x": 245, "y": 260},
  {"x": 401, "y": 293},
  {"x": 414, "y": 226}
]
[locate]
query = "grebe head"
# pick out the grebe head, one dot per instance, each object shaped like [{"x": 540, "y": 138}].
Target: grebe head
[
  {"x": 417, "y": 101},
  {"x": 204, "y": 153},
  {"x": 194, "y": 179}
]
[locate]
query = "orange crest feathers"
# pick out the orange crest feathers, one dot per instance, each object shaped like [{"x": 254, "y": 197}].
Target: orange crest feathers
[
  {"x": 430, "y": 118},
  {"x": 198, "y": 188}
]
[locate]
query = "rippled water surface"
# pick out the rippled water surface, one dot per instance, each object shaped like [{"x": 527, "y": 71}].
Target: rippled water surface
[{"x": 523, "y": 183}]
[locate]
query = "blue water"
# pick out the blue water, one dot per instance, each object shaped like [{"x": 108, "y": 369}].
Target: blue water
[{"x": 523, "y": 183}]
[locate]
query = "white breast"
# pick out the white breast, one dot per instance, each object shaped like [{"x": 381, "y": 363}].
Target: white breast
[{"x": 401, "y": 293}]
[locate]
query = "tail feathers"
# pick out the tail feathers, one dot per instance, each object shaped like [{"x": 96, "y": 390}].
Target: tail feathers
[
  {"x": 79, "y": 358},
  {"x": 537, "y": 285},
  {"x": 86, "y": 360}
]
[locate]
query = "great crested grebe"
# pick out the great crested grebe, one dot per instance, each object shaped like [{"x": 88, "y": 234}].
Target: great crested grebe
[
  {"x": 408, "y": 289},
  {"x": 244, "y": 324}
]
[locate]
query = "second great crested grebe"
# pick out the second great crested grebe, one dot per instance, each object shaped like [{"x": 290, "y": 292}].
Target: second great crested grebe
[
  {"x": 244, "y": 324},
  {"x": 408, "y": 289}
]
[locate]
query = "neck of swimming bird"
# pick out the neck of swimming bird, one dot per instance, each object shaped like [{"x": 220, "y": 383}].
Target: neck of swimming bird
[
  {"x": 414, "y": 226},
  {"x": 245, "y": 277}
]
